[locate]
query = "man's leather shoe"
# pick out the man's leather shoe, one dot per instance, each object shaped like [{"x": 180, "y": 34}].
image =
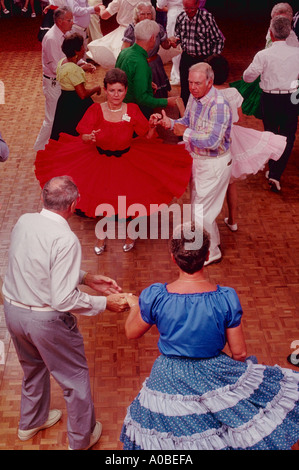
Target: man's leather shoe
[
  {"x": 54, "y": 416},
  {"x": 95, "y": 436}
]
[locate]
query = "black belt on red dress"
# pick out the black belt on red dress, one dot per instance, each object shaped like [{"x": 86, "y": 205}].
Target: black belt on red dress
[{"x": 112, "y": 153}]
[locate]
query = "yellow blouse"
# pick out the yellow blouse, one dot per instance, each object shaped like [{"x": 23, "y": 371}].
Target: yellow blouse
[{"x": 69, "y": 75}]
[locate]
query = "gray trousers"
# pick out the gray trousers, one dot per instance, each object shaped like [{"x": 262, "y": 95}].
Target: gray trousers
[{"x": 50, "y": 343}]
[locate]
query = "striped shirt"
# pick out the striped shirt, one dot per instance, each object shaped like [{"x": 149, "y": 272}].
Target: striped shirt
[
  {"x": 208, "y": 122},
  {"x": 199, "y": 36}
]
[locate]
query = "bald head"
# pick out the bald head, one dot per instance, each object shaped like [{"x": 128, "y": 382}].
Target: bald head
[{"x": 59, "y": 193}]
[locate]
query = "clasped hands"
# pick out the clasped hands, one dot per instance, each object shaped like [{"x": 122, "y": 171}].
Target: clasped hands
[
  {"x": 117, "y": 301},
  {"x": 164, "y": 121}
]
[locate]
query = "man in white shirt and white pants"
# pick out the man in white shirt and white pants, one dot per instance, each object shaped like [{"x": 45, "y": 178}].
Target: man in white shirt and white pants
[
  {"x": 51, "y": 54},
  {"x": 40, "y": 290},
  {"x": 278, "y": 67}
]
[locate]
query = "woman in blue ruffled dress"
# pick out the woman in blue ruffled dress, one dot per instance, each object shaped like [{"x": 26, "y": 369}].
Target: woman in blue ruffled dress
[{"x": 197, "y": 397}]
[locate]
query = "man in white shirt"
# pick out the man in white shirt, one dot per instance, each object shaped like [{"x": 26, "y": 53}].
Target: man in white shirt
[
  {"x": 82, "y": 11},
  {"x": 278, "y": 67},
  {"x": 174, "y": 8},
  {"x": 51, "y": 54},
  {"x": 40, "y": 290}
]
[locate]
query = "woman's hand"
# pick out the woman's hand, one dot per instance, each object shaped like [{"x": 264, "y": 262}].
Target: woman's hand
[
  {"x": 154, "y": 119},
  {"x": 90, "y": 138}
]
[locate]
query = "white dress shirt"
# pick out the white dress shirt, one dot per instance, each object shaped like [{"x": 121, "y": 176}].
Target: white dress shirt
[
  {"x": 277, "y": 65},
  {"x": 44, "y": 266},
  {"x": 51, "y": 50},
  {"x": 81, "y": 11}
]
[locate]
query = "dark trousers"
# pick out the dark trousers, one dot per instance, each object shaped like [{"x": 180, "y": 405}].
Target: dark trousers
[
  {"x": 280, "y": 116},
  {"x": 186, "y": 62}
]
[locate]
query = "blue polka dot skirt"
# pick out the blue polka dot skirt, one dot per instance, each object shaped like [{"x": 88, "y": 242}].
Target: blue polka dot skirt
[{"x": 214, "y": 404}]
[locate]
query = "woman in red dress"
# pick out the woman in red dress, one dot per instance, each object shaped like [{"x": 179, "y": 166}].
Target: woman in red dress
[{"x": 106, "y": 162}]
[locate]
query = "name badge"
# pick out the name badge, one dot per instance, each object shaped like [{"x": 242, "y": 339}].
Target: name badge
[{"x": 126, "y": 117}]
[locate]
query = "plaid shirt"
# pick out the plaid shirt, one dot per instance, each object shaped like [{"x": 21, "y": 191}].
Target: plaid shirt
[
  {"x": 208, "y": 122},
  {"x": 200, "y": 35}
]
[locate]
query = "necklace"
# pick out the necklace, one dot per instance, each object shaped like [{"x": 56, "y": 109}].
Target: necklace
[{"x": 115, "y": 110}]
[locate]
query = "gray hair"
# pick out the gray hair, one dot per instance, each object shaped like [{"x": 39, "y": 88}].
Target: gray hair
[
  {"x": 282, "y": 9},
  {"x": 137, "y": 9},
  {"x": 204, "y": 68},
  {"x": 280, "y": 27},
  {"x": 60, "y": 12},
  {"x": 59, "y": 193},
  {"x": 145, "y": 29}
]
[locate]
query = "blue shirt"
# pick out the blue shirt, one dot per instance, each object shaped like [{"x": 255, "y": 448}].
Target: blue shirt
[{"x": 191, "y": 325}]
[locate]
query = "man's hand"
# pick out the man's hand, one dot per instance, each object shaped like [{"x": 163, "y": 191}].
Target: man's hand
[
  {"x": 172, "y": 101},
  {"x": 117, "y": 302},
  {"x": 179, "y": 129},
  {"x": 165, "y": 121},
  {"x": 88, "y": 67},
  {"x": 102, "y": 284}
]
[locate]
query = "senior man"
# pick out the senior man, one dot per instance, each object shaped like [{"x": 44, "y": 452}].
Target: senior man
[
  {"x": 133, "y": 61},
  {"x": 205, "y": 128},
  {"x": 40, "y": 290},
  {"x": 51, "y": 54},
  {"x": 278, "y": 67},
  {"x": 198, "y": 34}
]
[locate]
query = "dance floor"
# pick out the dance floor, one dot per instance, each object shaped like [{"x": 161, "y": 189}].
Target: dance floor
[{"x": 260, "y": 260}]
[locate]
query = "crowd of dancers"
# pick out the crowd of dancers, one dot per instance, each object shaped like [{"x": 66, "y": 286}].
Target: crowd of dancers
[{"x": 196, "y": 397}]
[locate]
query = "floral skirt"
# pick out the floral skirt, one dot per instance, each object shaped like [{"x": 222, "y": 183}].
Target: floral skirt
[{"x": 214, "y": 404}]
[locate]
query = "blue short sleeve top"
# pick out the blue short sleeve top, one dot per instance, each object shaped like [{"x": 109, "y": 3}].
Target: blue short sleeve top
[{"x": 191, "y": 325}]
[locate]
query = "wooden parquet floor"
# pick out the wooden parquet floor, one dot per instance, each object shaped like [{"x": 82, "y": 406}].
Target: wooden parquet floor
[{"x": 261, "y": 260}]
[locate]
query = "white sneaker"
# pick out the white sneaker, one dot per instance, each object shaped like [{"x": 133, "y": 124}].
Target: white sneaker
[
  {"x": 232, "y": 227},
  {"x": 95, "y": 436},
  {"x": 214, "y": 257},
  {"x": 54, "y": 416}
]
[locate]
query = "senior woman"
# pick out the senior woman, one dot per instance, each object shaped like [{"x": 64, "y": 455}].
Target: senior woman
[
  {"x": 104, "y": 51},
  {"x": 106, "y": 162},
  {"x": 143, "y": 11},
  {"x": 197, "y": 397},
  {"x": 75, "y": 98}
]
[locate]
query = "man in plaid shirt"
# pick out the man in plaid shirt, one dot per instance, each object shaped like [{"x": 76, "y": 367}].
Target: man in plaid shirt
[
  {"x": 199, "y": 36},
  {"x": 205, "y": 129}
]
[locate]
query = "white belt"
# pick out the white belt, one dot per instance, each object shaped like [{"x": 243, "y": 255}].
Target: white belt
[
  {"x": 27, "y": 307},
  {"x": 80, "y": 27},
  {"x": 280, "y": 92}
]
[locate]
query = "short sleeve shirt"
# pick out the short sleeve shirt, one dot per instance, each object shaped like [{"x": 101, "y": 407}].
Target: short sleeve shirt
[
  {"x": 191, "y": 325},
  {"x": 69, "y": 75}
]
